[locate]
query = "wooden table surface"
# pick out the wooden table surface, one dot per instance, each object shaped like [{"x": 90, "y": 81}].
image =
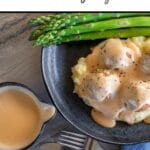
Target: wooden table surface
[{"x": 21, "y": 62}]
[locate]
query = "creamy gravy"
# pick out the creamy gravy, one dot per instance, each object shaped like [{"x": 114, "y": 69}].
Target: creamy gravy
[
  {"x": 99, "y": 118},
  {"x": 19, "y": 118},
  {"x": 113, "y": 107}
]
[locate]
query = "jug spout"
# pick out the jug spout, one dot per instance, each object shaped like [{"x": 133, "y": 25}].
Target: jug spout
[{"x": 48, "y": 111}]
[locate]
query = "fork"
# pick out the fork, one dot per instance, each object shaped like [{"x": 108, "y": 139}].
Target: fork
[
  {"x": 73, "y": 140},
  {"x": 69, "y": 139}
]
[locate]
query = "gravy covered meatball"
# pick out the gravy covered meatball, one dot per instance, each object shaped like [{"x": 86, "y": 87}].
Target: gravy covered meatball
[
  {"x": 99, "y": 86},
  {"x": 116, "y": 54}
]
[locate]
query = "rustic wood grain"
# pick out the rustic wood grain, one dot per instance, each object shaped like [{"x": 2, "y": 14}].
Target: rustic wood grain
[{"x": 21, "y": 62}]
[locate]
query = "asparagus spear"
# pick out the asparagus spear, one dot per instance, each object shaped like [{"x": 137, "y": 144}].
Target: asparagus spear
[
  {"x": 85, "y": 17},
  {"x": 95, "y": 26},
  {"x": 43, "y": 29},
  {"x": 105, "y": 25},
  {"x": 116, "y": 33},
  {"x": 79, "y": 19},
  {"x": 54, "y": 20},
  {"x": 42, "y": 20}
]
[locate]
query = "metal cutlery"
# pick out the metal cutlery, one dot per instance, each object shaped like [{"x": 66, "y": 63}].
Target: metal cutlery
[{"x": 75, "y": 141}]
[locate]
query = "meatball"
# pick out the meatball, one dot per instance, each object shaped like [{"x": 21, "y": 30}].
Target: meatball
[
  {"x": 99, "y": 86},
  {"x": 116, "y": 54},
  {"x": 136, "y": 94}
]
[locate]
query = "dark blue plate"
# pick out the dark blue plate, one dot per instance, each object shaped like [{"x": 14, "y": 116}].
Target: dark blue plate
[{"x": 56, "y": 64}]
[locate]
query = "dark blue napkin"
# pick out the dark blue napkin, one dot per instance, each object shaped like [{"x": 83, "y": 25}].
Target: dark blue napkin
[{"x": 141, "y": 146}]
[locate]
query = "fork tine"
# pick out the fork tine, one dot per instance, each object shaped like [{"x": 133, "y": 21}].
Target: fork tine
[
  {"x": 72, "y": 138},
  {"x": 74, "y": 134},
  {"x": 71, "y": 146},
  {"x": 71, "y": 142}
]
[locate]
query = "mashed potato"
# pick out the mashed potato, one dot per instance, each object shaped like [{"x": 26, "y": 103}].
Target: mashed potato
[
  {"x": 124, "y": 63},
  {"x": 79, "y": 70},
  {"x": 143, "y": 43}
]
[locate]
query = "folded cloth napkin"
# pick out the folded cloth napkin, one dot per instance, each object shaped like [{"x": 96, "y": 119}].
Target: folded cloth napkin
[{"x": 141, "y": 146}]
